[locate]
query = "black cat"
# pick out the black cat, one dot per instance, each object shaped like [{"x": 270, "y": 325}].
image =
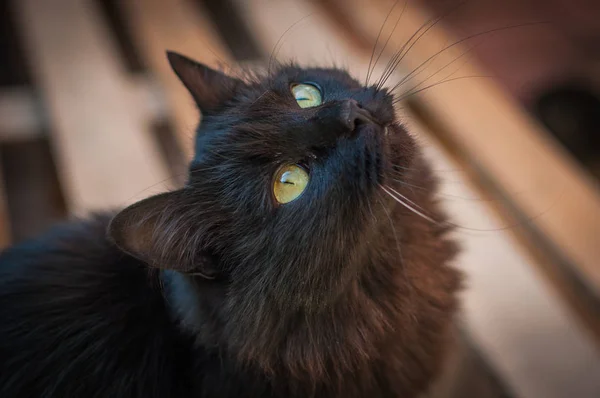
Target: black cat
[{"x": 296, "y": 262}]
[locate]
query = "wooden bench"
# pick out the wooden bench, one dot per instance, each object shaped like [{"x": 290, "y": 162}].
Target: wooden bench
[
  {"x": 105, "y": 154},
  {"x": 99, "y": 117},
  {"x": 99, "y": 114},
  {"x": 158, "y": 26}
]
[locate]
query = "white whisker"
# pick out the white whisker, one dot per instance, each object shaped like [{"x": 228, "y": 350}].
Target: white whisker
[
  {"x": 387, "y": 213},
  {"x": 209, "y": 277},
  {"x": 404, "y": 197},
  {"x": 400, "y": 256},
  {"x": 417, "y": 212}
]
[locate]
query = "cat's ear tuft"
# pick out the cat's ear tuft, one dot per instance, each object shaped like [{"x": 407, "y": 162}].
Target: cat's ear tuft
[
  {"x": 209, "y": 88},
  {"x": 152, "y": 230}
]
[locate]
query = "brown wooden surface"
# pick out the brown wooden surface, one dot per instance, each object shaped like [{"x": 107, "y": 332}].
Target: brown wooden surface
[
  {"x": 545, "y": 261},
  {"x": 22, "y": 116},
  {"x": 466, "y": 374},
  {"x": 19, "y": 114},
  {"x": 518, "y": 321},
  {"x": 104, "y": 152},
  {"x": 521, "y": 326},
  {"x": 158, "y": 26},
  {"x": 543, "y": 181},
  {"x": 33, "y": 194}
]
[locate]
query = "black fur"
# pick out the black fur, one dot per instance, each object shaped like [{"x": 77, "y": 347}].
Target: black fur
[{"x": 215, "y": 290}]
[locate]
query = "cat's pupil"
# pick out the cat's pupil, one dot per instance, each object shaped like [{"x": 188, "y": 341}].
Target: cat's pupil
[
  {"x": 307, "y": 95},
  {"x": 287, "y": 178},
  {"x": 289, "y": 183}
]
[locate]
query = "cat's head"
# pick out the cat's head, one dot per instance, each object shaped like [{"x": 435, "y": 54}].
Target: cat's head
[
  {"x": 284, "y": 188},
  {"x": 283, "y": 211}
]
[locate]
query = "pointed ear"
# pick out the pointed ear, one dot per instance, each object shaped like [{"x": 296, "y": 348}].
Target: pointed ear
[
  {"x": 156, "y": 230},
  {"x": 209, "y": 87}
]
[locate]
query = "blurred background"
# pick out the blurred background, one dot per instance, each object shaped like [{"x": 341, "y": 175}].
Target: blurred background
[{"x": 503, "y": 95}]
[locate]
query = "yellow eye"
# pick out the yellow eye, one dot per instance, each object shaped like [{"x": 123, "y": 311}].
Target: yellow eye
[
  {"x": 307, "y": 95},
  {"x": 290, "y": 181}
]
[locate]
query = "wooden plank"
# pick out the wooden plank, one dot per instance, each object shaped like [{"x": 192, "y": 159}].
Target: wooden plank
[
  {"x": 158, "y": 26},
  {"x": 295, "y": 31},
  {"x": 33, "y": 193},
  {"x": 466, "y": 374},
  {"x": 514, "y": 316},
  {"x": 559, "y": 198},
  {"x": 22, "y": 116},
  {"x": 105, "y": 155},
  {"x": 516, "y": 319},
  {"x": 549, "y": 263}
]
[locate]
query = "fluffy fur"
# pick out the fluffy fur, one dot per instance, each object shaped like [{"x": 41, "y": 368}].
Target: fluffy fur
[{"x": 215, "y": 290}]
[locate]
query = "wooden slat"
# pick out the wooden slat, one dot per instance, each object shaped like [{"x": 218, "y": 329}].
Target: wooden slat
[
  {"x": 33, "y": 192},
  {"x": 158, "y": 26},
  {"x": 517, "y": 319},
  {"x": 559, "y": 198},
  {"x": 105, "y": 155},
  {"x": 289, "y": 30},
  {"x": 22, "y": 116}
]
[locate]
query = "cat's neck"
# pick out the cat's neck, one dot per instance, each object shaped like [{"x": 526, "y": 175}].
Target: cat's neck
[
  {"x": 188, "y": 309},
  {"x": 181, "y": 297},
  {"x": 388, "y": 327}
]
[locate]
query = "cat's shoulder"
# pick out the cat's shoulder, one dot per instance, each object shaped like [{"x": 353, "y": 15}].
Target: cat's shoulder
[
  {"x": 70, "y": 259},
  {"x": 80, "y": 239},
  {"x": 78, "y": 314}
]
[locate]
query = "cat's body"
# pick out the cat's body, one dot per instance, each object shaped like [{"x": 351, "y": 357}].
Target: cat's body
[{"x": 209, "y": 292}]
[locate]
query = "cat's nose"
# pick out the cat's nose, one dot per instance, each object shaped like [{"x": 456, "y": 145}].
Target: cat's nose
[
  {"x": 340, "y": 118},
  {"x": 353, "y": 114}
]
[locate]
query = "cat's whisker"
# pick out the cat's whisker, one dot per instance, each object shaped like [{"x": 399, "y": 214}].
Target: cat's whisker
[
  {"x": 395, "y": 233},
  {"x": 201, "y": 275},
  {"x": 369, "y": 69},
  {"x": 377, "y": 41},
  {"x": 456, "y": 43},
  {"x": 399, "y": 56},
  {"x": 393, "y": 228},
  {"x": 409, "y": 207},
  {"x": 404, "y": 197},
  {"x": 409, "y": 169},
  {"x": 279, "y": 43},
  {"x": 448, "y": 195},
  {"x": 391, "y": 65},
  {"x": 410, "y": 76},
  {"x": 371, "y": 211},
  {"x": 414, "y": 92}
]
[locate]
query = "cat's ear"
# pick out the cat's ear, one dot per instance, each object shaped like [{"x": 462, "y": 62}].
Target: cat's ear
[
  {"x": 156, "y": 230},
  {"x": 210, "y": 88}
]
